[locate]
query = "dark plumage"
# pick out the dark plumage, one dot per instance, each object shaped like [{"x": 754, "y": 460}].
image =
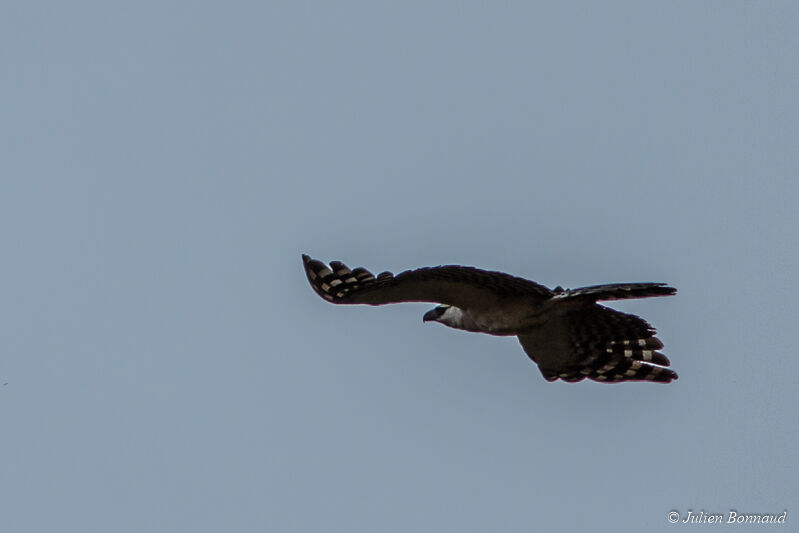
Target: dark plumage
[{"x": 565, "y": 331}]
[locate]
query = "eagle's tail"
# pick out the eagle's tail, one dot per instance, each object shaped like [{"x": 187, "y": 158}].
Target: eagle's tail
[
  {"x": 604, "y": 345},
  {"x": 617, "y": 291}
]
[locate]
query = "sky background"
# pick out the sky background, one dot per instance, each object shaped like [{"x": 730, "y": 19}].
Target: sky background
[{"x": 166, "y": 367}]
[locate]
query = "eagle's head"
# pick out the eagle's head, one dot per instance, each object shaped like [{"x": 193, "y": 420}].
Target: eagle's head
[{"x": 446, "y": 314}]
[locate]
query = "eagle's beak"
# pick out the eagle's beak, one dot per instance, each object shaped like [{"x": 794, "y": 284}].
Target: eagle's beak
[{"x": 431, "y": 315}]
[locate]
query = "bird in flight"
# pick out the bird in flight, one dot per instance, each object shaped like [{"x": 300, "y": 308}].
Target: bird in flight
[{"x": 564, "y": 331}]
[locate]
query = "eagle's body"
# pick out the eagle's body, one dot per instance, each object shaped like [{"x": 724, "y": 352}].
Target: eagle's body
[{"x": 565, "y": 332}]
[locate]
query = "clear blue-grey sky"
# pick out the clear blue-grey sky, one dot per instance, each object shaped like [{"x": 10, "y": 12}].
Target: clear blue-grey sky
[{"x": 164, "y": 164}]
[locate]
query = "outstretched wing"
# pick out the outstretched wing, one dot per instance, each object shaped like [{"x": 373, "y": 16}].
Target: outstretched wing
[
  {"x": 460, "y": 286},
  {"x": 616, "y": 291},
  {"x": 598, "y": 343}
]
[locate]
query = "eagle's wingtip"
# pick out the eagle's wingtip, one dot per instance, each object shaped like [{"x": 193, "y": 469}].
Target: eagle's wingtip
[{"x": 668, "y": 290}]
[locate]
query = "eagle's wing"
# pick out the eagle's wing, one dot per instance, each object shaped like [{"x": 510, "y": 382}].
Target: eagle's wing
[
  {"x": 598, "y": 343},
  {"x": 460, "y": 286},
  {"x": 615, "y": 291}
]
